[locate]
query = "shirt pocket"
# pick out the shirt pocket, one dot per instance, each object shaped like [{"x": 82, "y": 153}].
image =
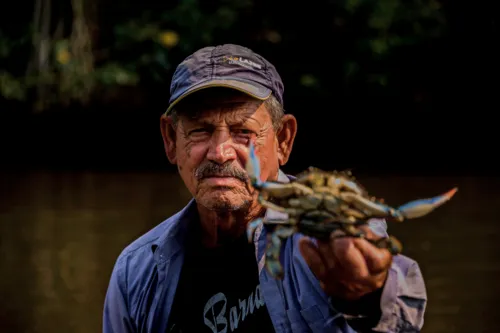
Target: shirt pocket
[
  {"x": 314, "y": 318},
  {"x": 316, "y": 322},
  {"x": 308, "y": 320},
  {"x": 298, "y": 324}
]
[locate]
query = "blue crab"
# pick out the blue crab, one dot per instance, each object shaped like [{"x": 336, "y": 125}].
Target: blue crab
[{"x": 318, "y": 202}]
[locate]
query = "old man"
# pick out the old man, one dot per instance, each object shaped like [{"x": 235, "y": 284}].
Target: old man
[{"x": 197, "y": 272}]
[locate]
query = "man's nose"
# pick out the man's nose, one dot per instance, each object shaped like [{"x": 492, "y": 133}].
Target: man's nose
[{"x": 221, "y": 147}]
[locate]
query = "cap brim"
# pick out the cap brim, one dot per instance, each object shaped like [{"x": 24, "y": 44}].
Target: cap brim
[{"x": 252, "y": 89}]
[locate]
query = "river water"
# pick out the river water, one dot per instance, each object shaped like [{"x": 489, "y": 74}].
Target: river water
[{"x": 61, "y": 233}]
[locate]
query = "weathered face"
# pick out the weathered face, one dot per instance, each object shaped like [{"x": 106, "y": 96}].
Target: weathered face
[{"x": 209, "y": 144}]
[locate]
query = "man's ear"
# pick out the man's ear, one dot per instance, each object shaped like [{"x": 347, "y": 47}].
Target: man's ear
[
  {"x": 286, "y": 135},
  {"x": 168, "y": 134}
]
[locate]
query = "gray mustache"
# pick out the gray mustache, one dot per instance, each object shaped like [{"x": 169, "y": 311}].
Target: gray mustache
[{"x": 211, "y": 169}]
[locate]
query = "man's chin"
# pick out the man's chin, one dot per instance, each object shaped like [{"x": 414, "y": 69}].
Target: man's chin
[
  {"x": 223, "y": 197},
  {"x": 221, "y": 204}
]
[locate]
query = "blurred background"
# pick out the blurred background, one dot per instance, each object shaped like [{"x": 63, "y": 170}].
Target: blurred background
[{"x": 403, "y": 93}]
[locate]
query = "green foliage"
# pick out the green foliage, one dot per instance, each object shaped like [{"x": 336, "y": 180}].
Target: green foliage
[
  {"x": 67, "y": 79},
  {"x": 399, "y": 23},
  {"x": 390, "y": 25},
  {"x": 114, "y": 74},
  {"x": 11, "y": 87},
  {"x": 182, "y": 29},
  {"x": 148, "y": 46}
]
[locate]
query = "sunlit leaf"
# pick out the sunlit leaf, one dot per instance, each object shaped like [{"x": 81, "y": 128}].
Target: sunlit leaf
[{"x": 168, "y": 38}]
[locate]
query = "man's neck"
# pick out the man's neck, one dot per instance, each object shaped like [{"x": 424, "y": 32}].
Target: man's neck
[{"x": 219, "y": 228}]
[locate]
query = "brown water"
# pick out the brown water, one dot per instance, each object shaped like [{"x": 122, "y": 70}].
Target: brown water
[{"x": 61, "y": 233}]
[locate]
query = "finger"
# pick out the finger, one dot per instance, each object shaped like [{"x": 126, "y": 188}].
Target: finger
[
  {"x": 327, "y": 255},
  {"x": 327, "y": 251},
  {"x": 376, "y": 259},
  {"x": 349, "y": 258},
  {"x": 312, "y": 257}
]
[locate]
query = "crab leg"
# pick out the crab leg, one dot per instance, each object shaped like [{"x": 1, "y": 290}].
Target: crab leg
[
  {"x": 273, "y": 264},
  {"x": 270, "y": 205},
  {"x": 391, "y": 243},
  {"x": 252, "y": 226},
  {"x": 274, "y": 189},
  {"x": 418, "y": 208},
  {"x": 253, "y": 167},
  {"x": 348, "y": 230},
  {"x": 282, "y": 190},
  {"x": 373, "y": 209}
]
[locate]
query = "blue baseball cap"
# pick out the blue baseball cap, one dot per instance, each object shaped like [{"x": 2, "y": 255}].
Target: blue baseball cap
[{"x": 228, "y": 66}]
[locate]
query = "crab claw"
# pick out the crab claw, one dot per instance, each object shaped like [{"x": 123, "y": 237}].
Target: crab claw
[
  {"x": 251, "y": 228},
  {"x": 418, "y": 208},
  {"x": 253, "y": 167}
]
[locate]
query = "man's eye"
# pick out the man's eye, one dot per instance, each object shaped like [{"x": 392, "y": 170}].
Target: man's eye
[{"x": 198, "y": 130}]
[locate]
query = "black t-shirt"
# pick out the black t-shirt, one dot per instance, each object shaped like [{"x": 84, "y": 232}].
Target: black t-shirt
[{"x": 219, "y": 291}]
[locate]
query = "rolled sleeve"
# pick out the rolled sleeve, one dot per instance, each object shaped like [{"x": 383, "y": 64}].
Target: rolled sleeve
[{"x": 404, "y": 298}]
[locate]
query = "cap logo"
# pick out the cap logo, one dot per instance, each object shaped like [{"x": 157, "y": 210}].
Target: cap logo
[{"x": 241, "y": 62}]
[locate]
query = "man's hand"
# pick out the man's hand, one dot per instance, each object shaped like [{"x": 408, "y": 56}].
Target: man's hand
[{"x": 347, "y": 267}]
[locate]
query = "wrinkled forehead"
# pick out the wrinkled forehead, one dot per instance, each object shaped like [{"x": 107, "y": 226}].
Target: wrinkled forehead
[{"x": 217, "y": 100}]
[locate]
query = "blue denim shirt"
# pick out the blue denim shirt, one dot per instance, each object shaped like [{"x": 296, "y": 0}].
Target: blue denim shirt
[{"x": 144, "y": 280}]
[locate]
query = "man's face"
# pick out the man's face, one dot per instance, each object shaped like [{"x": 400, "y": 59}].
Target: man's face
[{"x": 210, "y": 147}]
